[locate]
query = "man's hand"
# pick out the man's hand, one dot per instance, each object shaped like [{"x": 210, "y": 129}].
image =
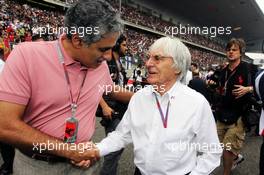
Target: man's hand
[
  {"x": 88, "y": 155},
  {"x": 240, "y": 91},
  {"x": 210, "y": 82},
  {"x": 107, "y": 112},
  {"x": 82, "y": 164}
]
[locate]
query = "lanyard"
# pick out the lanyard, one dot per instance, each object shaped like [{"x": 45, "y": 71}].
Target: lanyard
[
  {"x": 73, "y": 103},
  {"x": 228, "y": 78},
  {"x": 164, "y": 119}
]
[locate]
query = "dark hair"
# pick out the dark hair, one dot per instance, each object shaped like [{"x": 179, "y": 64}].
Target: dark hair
[
  {"x": 238, "y": 42},
  {"x": 195, "y": 74},
  {"x": 121, "y": 38},
  {"x": 194, "y": 64},
  {"x": 39, "y": 36},
  {"x": 93, "y": 14},
  {"x": 1, "y": 53}
]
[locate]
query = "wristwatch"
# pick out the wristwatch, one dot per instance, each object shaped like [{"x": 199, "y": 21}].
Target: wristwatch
[{"x": 251, "y": 89}]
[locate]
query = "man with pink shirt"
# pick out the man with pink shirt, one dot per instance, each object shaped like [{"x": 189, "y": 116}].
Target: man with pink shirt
[{"x": 49, "y": 92}]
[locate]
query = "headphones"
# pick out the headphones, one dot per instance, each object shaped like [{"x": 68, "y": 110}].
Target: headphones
[
  {"x": 243, "y": 50},
  {"x": 242, "y": 44}
]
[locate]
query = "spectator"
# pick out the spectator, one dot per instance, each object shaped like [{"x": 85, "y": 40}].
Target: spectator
[
  {"x": 235, "y": 87},
  {"x": 113, "y": 110},
  {"x": 200, "y": 86}
]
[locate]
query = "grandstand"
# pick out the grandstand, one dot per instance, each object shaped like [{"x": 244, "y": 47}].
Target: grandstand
[
  {"x": 28, "y": 20},
  {"x": 20, "y": 18}
]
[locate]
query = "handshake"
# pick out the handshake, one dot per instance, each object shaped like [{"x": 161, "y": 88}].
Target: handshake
[
  {"x": 85, "y": 155},
  {"x": 82, "y": 155}
]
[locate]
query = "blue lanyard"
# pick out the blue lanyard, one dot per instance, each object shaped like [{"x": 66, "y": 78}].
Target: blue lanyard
[{"x": 164, "y": 119}]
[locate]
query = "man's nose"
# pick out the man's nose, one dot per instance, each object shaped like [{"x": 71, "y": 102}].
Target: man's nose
[{"x": 149, "y": 62}]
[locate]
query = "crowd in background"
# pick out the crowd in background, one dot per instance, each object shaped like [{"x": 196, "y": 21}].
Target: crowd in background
[
  {"x": 135, "y": 16},
  {"x": 142, "y": 18},
  {"x": 139, "y": 42},
  {"x": 18, "y": 23}
]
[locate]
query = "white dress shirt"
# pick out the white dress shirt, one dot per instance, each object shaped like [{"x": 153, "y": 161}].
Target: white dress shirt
[
  {"x": 164, "y": 151},
  {"x": 261, "y": 121}
]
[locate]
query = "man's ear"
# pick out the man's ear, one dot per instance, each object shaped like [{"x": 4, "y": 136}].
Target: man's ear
[
  {"x": 76, "y": 41},
  {"x": 177, "y": 72}
]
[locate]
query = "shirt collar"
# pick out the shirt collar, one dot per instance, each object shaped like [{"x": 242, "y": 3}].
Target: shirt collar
[
  {"x": 67, "y": 59},
  {"x": 170, "y": 92}
]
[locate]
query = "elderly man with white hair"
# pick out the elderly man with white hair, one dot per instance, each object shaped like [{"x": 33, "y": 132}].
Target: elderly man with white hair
[{"x": 170, "y": 125}]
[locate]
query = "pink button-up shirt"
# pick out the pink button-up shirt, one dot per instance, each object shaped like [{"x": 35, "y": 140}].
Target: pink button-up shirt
[{"x": 34, "y": 77}]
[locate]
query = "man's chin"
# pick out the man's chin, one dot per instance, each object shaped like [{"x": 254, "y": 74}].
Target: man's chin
[
  {"x": 232, "y": 59},
  {"x": 151, "y": 81},
  {"x": 93, "y": 66}
]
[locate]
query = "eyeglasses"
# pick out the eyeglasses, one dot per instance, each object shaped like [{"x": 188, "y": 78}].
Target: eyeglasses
[{"x": 155, "y": 58}]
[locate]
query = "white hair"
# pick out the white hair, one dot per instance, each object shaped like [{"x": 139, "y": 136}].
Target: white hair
[{"x": 177, "y": 50}]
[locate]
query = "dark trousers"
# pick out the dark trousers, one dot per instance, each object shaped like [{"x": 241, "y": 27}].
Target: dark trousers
[
  {"x": 261, "y": 160},
  {"x": 137, "y": 171},
  {"x": 111, "y": 160},
  {"x": 8, "y": 154}
]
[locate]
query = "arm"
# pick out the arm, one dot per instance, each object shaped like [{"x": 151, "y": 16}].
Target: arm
[
  {"x": 107, "y": 110},
  {"x": 246, "y": 87},
  {"x": 15, "y": 92},
  {"x": 210, "y": 158},
  {"x": 119, "y": 138},
  {"x": 16, "y": 132},
  {"x": 242, "y": 90}
]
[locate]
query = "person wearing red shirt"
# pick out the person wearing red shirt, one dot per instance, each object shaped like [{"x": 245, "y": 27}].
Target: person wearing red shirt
[
  {"x": 11, "y": 37},
  {"x": 7, "y": 49}
]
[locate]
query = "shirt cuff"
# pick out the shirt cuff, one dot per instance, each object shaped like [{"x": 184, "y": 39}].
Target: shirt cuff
[{"x": 102, "y": 150}]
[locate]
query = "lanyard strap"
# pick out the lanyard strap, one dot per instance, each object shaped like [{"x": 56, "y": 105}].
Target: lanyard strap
[
  {"x": 164, "y": 119},
  {"x": 73, "y": 103},
  {"x": 228, "y": 78}
]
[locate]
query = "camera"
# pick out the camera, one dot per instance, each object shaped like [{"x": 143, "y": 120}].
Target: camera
[{"x": 216, "y": 78}]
